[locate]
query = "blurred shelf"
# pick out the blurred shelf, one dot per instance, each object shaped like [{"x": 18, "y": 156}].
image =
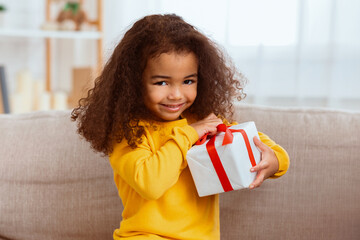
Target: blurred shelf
[
  {"x": 49, "y": 36},
  {"x": 28, "y": 33}
]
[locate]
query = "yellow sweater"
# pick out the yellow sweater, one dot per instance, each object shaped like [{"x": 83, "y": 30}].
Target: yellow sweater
[{"x": 156, "y": 188}]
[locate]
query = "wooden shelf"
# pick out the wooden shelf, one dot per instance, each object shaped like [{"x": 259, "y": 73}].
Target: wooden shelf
[
  {"x": 29, "y": 33},
  {"x": 48, "y": 36}
]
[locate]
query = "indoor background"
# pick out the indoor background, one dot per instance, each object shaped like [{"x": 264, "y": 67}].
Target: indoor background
[{"x": 293, "y": 52}]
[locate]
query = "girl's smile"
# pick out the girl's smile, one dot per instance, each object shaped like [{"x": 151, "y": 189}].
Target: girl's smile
[
  {"x": 170, "y": 82},
  {"x": 174, "y": 108}
]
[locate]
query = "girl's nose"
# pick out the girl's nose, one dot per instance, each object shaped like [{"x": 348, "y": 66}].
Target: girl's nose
[{"x": 175, "y": 93}]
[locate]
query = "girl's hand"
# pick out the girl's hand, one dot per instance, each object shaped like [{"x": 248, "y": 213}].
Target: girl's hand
[
  {"x": 267, "y": 166},
  {"x": 207, "y": 125}
]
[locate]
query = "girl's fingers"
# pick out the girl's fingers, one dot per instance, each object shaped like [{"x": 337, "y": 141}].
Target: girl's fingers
[
  {"x": 262, "y": 146},
  {"x": 260, "y": 166},
  {"x": 258, "y": 181},
  {"x": 212, "y": 131},
  {"x": 266, "y": 167},
  {"x": 211, "y": 116}
]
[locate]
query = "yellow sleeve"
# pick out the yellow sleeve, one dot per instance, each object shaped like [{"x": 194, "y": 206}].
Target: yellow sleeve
[
  {"x": 280, "y": 153},
  {"x": 151, "y": 173}
]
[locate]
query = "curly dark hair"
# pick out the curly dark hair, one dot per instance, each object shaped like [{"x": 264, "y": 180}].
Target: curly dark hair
[{"x": 113, "y": 108}]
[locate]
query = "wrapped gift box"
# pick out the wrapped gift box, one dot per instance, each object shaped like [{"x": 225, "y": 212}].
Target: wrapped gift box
[{"x": 222, "y": 163}]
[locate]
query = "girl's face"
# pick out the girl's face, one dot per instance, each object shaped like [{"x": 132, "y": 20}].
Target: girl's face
[{"x": 170, "y": 82}]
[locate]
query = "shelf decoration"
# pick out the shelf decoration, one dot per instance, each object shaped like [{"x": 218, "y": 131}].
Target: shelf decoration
[
  {"x": 2, "y": 15},
  {"x": 82, "y": 83},
  {"x": 71, "y": 17},
  {"x": 4, "y": 100},
  {"x": 30, "y": 95}
]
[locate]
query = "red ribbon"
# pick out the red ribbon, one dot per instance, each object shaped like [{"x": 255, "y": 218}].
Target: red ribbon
[{"x": 215, "y": 159}]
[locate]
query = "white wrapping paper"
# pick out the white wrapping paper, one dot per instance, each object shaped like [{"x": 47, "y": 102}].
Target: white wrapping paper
[{"x": 234, "y": 158}]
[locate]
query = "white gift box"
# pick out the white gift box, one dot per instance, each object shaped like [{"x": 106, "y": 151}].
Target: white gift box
[{"x": 229, "y": 167}]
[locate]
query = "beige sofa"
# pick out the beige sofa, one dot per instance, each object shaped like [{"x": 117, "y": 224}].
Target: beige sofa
[{"x": 52, "y": 186}]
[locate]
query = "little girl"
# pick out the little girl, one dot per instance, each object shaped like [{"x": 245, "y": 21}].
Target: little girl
[{"x": 161, "y": 90}]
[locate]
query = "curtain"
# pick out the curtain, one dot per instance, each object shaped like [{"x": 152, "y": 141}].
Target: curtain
[{"x": 293, "y": 52}]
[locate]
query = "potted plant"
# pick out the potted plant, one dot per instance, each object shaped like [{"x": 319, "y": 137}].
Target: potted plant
[{"x": 2, "y": 13}]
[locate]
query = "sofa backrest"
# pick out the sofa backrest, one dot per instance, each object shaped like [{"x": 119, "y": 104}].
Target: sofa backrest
[
  {"x": 53, "y": 186},
  {"x": 319, "y": 196}
]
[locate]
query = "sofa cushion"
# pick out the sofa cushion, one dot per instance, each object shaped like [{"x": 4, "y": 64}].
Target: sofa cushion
[
  {"x": 52, "y": 185},
  {"x": 319, "y": 197}
]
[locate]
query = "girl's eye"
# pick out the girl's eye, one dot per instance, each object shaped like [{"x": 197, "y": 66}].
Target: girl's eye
[
  {"x": 189, "y": 81},
  {"x": 161, "y": 83}
]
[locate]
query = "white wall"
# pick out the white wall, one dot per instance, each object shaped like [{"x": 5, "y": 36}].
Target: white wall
[{"x": 294, "y": 52}]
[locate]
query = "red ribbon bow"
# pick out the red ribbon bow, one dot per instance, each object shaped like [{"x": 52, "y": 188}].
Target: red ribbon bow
[{"x": 215, "y": 159}]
